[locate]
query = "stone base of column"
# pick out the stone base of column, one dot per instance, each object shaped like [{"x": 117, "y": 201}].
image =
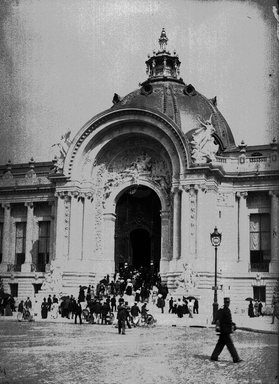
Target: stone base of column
[
  {"x": 26, "y": 267},
  {"x": 164, "y": 266},
  {"x": 173, "y": 265}
]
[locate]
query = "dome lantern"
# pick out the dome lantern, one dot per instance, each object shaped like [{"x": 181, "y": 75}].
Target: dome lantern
[{"x": 162, "y": 65}]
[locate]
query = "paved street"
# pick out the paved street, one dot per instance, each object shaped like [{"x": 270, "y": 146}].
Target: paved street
[{"x": 35, "y": 353}]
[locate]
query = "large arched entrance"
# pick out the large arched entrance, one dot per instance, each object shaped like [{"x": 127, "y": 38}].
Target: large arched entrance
[{"x": 138, "y": 229}]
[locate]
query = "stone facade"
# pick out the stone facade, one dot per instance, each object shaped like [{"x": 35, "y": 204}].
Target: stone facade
[{"x": 63, "y": 215}]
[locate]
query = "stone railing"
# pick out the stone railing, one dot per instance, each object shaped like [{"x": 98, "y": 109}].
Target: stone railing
[{"x": 247, "y": 164}]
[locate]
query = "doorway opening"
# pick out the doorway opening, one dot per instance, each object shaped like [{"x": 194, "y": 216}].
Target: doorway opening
[
  {"x": 138, "y": 230},
  {"x": 141, "y": 248}
]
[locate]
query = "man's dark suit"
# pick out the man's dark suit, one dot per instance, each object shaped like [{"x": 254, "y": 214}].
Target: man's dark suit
[{"x": 225, "y": 325}]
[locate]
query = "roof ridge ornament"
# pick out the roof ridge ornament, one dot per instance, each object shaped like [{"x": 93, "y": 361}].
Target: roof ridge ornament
[{"x": 163, "y": 40}]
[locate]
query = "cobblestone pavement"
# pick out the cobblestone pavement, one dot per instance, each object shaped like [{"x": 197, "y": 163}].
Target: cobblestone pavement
[{"x": 35, "y": 353}]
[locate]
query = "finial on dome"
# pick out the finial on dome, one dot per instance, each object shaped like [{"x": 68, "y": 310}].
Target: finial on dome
[{"x": 163, "y": 40}]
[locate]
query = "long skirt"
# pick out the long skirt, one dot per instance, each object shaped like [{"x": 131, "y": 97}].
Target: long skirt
[{"x": 44, "y": 312}]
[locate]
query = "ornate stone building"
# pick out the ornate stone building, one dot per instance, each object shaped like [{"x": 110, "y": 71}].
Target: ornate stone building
[{"x": 146, "y": 182}]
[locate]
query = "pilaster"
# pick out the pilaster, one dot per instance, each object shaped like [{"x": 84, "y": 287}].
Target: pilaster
[
  {"x": 26, "y": 267},
  {"x": 6, "y": 237},
  {"x": 176, "y": 223},
  {"x": 62, "y": 227},
  {"x": 165, "y": 241},
  {"x": 88, "y": 237},
  {"x": 76, "y": 219},
  {"x": 185, "y": 224},
  {"x": 109, "y": 230},
  {"x": 274, "y": 226},
  {"x": 52, "y": 230},
  {"x": 243, "y": 229}
]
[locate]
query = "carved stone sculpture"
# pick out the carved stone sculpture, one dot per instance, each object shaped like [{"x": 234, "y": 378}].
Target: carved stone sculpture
[
  {"x": 186, "y": 281},
  {"x": 53, "y": 281},
  {"x": 60, "y": 150},
  {"x": 203, "y": 147}
]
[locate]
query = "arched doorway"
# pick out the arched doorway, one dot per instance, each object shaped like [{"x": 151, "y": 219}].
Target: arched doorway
[{"x": 138, "y": 229}]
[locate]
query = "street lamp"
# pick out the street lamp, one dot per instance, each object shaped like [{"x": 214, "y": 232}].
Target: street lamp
[{"x": 215, "y": 238}]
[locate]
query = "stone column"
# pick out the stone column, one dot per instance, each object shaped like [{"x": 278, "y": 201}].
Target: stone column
[
  {"x": 243, "y": 229},
  {"x": 76, "y": 219},
  {"x": 109, "y": 231},
  {"x": 52, "y": 230},
  {"x": 274, "y": 225},
  {"x": 6, "y": 238},
  {"x": 176, "y": 223},
  {"x": 205, "y": 221},
  {"x": 88, "y": 237},
  {"x": 26, "y": 267},
  {"x": 185, "y": 223},
  {"x": 61, "y": 229},
  {"x": 165, "y": 241},
  {"x": 193, "y": 190}
]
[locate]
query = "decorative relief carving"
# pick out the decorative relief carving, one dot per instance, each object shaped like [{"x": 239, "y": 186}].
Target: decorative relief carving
[
  {"x": 225, "y": 199},
  {"x": 31, "y": 176},
  {"x": 136, "y": 162},
  {"x": 8, "y": 176},
  {"x": 129, "y": 166},
  {"x": 187, "y": 281},
  {"x": 203, "y": 147},
  {"x": 192, "y": 190},
  {"x": 67, "y": 203}
]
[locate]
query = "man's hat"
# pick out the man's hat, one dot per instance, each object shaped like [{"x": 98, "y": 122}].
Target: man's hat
[{"x": 227, "y": 299}]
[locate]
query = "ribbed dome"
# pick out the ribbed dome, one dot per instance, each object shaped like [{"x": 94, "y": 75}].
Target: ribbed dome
[{"x": 163, "y": 91}]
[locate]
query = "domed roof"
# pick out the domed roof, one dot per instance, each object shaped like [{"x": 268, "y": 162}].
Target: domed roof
[{"x": 165, "y": 92}]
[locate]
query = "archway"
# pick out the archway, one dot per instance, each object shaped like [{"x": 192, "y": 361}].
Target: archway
[{"x": 138, "y": 229}]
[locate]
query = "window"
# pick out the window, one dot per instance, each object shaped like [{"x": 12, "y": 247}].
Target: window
[
  {"x": 43, "y": 248},
  {"x": 20, "y": 243},
  {"x": 37, "y": 287},
  {"x": 259, "y": 293},
  {"x": 260, "y": 242},
  {"x": 1, "y": 242},
  {"x": 14, "y": 289}
]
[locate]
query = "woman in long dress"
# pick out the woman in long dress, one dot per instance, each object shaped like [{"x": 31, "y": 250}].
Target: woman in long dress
[{"x": 44, "y": 309}]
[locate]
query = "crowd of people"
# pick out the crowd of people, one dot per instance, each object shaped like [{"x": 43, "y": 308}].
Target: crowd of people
[
  {"x": 186, "y": 306},
  {"x": 105, "y": 303},
  {"x": 255, "y": 310}
]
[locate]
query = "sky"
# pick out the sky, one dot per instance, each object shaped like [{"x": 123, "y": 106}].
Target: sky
[{"x": 61, "y": 61}]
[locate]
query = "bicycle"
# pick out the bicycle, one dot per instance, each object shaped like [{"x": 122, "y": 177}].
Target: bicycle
[{"x": 147, "y": 321}]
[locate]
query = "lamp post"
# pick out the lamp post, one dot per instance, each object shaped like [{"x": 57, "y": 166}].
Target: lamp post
[{"x": 215, "y": 238}]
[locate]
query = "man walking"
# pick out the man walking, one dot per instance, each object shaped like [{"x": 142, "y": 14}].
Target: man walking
[
  {"x": 225, "y": 326},
  {"x": 275, "y": 312},
  {"x": 135, "y": 311},
  {"x": 121, "y": 317},
  {"x": 78, "y": 312}
]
